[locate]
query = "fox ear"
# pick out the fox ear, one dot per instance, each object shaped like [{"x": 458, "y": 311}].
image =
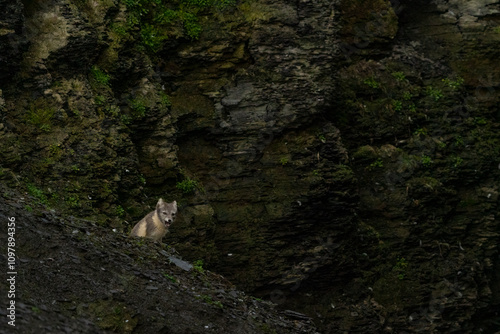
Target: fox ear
[
  {"x": 174, "y": 203},
  {"x": 160, "y": 202}
]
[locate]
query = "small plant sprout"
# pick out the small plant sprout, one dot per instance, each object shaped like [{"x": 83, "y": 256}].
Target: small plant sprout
[
  {"x": 170, "y": 277},
  {"x": 412, "y": 108},
  {"x": 457, "y": 162},
  {"x": 399, "y": 76},
  {"x": 371, "y": 82},
  {"x": 187, "y": 185},
  {"x": 435, "y": 93},
  {"x": 283, "y": 161},
  {"x": 426, "y": 160},
  {"x": 454, "y": 84},
  {"x": 420, "y": 132},
  {"x": 198, "y": 266},
  {"x": 407, "y": 96},
  {"x": 377, "y": 163},
  {"x": 397, "y": 105},
  {"x": 120, "y": 211},
  {"x": 322, "y": 137},
  {"x": 400, "y": 268},
  {"x": 100, "y": 76}
]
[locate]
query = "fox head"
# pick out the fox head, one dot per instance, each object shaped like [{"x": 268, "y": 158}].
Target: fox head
[{"x": 166, "y": 211}]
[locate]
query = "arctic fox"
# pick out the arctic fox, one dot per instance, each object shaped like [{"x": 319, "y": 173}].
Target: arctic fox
[{"x": 156, "y": 223}]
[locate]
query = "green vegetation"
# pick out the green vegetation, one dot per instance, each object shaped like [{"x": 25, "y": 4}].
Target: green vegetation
[
  {"x": 208, "y": 299},
  {"x": 198, "y": 266},
  {"x": 156, "y": 20},
  {"x": 397, "y": 105},
  {"x": 321, "y": 137},
  {"x": 407, "y": 96},
  {"x": 152, "y": 38},
  {"x": 457, "y": 161},
  {"x": 112, "y": 316},
  {"x": 55, "y": 150},
  {"x": 435, "y": 93},
  {"x": 73, "y": 201},
  {"x": 377, "y": 164},
  {"x": 187, "y": 185},
  {"x": 193, "y": 28},
  {"x": 480, "y": 121},
  {"x": 120, "y": 211},
  {"x": 165, "y": 100},
  {"x": 371, "y": 82},
  {"x": 138, "y": 106},
  {"x": 420, "y": 132},
  {"x": 400, "y": 76},
  {"x": 37, "y": 193},
  {"x": 170, "y": 277},
  {"x": 99, "y": 100},
  {"x": 119, "y": 29},
  {"x": 283, "y": 161},
  {"x": 99, "y": 81},
  {"x": 412, "y": 108},
  {"x": 400, "y": 268},
  {"x": 426, "y": 160},
  {"x": 40, "y": 114},
  {"x": 99, "y": 76},
  {"x": 454, "y": 84},
  {"x": 459, "y": 141}
]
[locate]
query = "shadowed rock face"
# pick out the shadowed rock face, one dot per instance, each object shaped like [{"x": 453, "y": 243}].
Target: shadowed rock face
[
  {"x": 12, "y": 38},
  {"x": 343, "y": 156}
]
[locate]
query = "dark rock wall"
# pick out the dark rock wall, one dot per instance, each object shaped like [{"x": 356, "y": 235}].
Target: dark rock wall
[
  {"x": 345, "y": 154},
  {"x": 249, "y": 108},
  {"x": 419, "y": 120},
  {"x": 12, "y": 38}
]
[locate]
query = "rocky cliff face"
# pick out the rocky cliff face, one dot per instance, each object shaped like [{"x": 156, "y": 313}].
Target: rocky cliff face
[{"x": 338, "y": 157}]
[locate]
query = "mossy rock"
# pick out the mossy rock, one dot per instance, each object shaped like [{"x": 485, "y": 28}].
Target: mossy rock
[
  {"x": 112, "y": 315},
  {"x": 366, "y": 153}
]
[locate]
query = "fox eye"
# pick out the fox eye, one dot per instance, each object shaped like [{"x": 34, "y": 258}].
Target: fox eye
[
  {"x": 164, "y": 212},
  {"x": 173, "y": 213}
]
